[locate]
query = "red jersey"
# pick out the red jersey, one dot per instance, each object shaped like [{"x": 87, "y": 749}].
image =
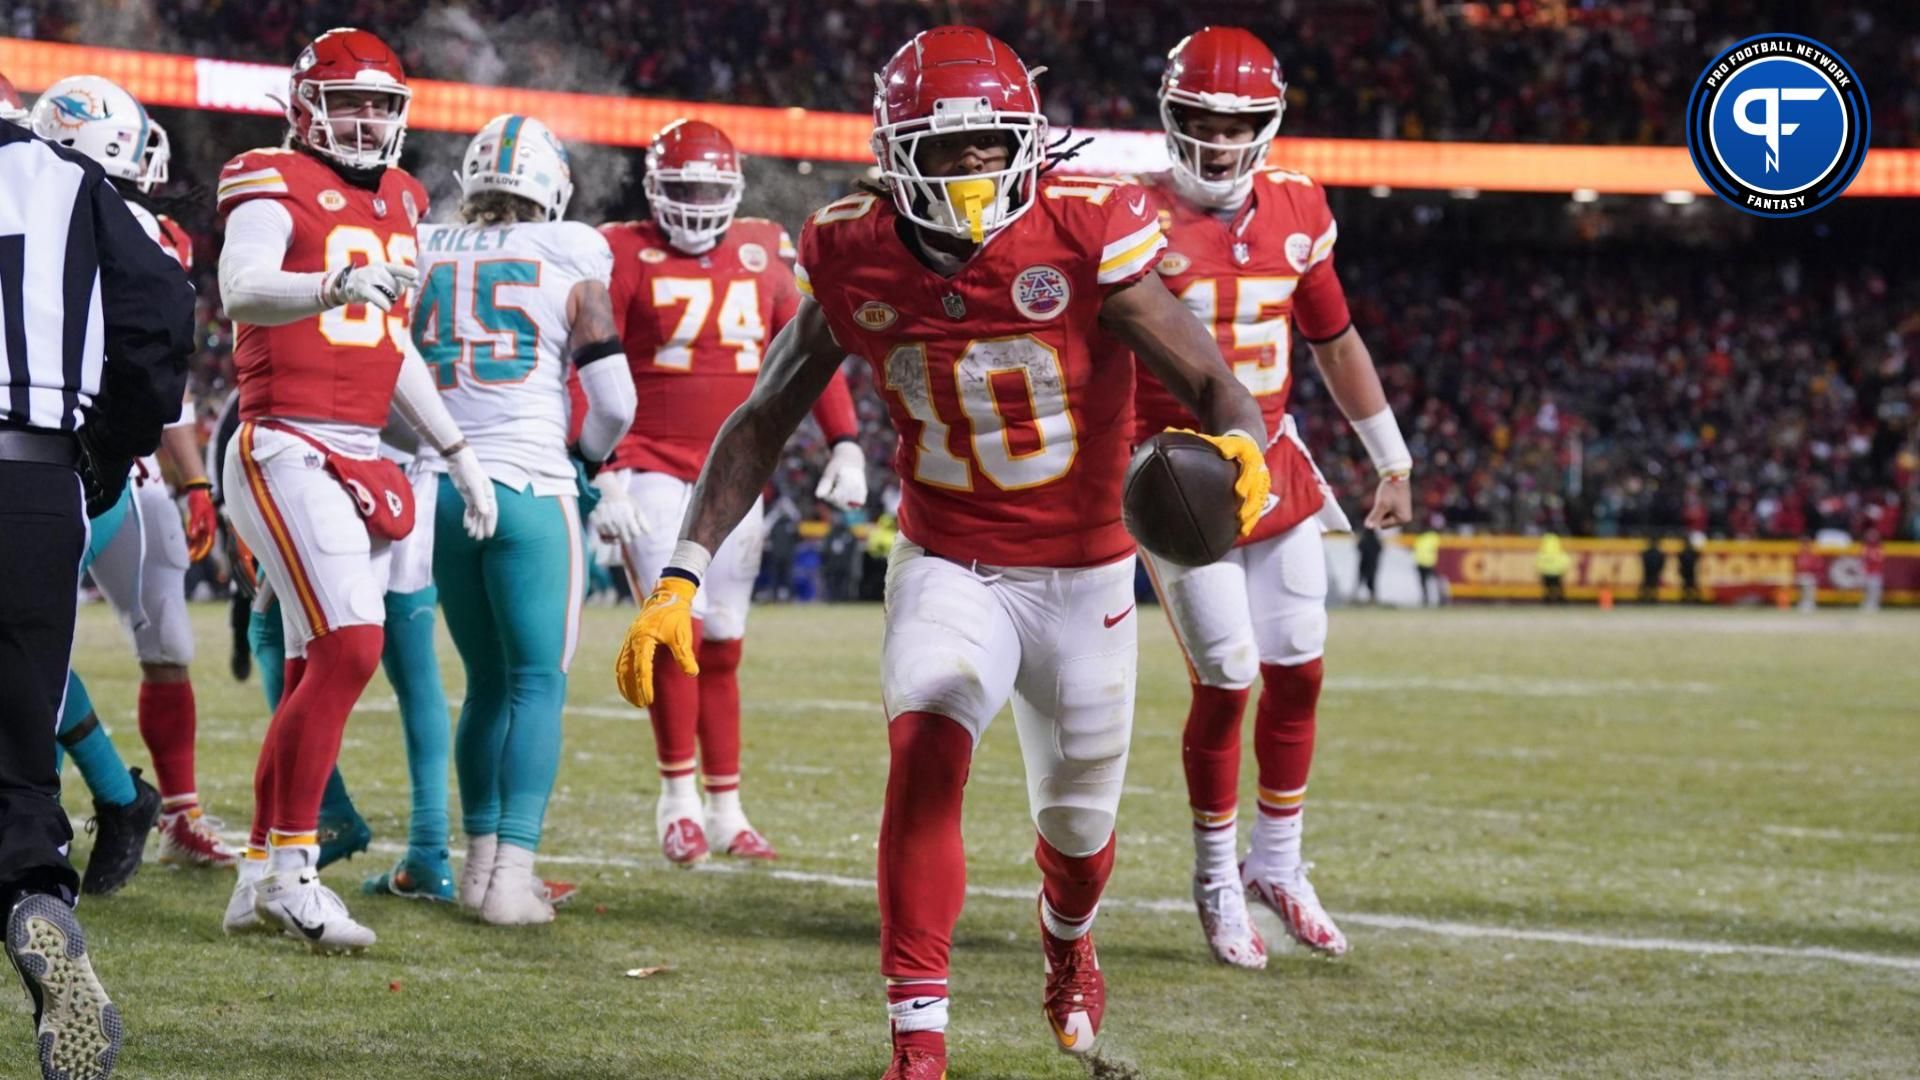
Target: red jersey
[
  {"x": 1250, "y": 279},
  {"x": 1013, "y": 406},
  {"x": 694, "y": 328},
  {"x": 339, "y": 365},
  {"x": 175, "y": 241}
]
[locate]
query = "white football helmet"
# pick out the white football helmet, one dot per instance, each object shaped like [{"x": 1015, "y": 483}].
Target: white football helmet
[
  {"x": 520, "y": 156},
  {"x": 95, "y": 116},
  {"x": 153, "y": 164}
]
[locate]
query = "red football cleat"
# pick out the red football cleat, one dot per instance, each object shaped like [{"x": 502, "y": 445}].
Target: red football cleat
[
  {"x": 917, "y": 1063},
  {"x": 557, "y": 892},
  {"x": 1076, "y": 995},
  {"x": 684, "y": 843},
  {"x": 749, "y": 844},
  {"x": 1290, "y": 895}
]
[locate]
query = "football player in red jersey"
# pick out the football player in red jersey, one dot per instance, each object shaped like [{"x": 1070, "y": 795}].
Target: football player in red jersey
[
  {"x": 698, "y": 294},
  {"x": 318, "y": 257},
  {"x": 997, "y": 306},
  {"x": 1250, "y": 251}
]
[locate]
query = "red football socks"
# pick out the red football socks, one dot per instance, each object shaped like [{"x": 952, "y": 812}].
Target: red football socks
[
  {"x": 293, "y": 671},
  {"x": 1283, "y": 734},
  {"x": 1072, "y": 885},
  {"x": 675, "y": 713},
  {"x": 923, "y": 863},
  {"x": 720, "y": 714},
  {"x": 166, "y": 726},
  {"x": 304, "y": 738},
  {"x": 1210, "y": 750}
]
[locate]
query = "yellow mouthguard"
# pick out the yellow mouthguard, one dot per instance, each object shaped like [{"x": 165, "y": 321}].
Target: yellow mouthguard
[{"x": 971, "y": 197}]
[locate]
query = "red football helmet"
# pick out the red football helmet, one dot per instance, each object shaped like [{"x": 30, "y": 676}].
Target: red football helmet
[
  {"x": 693, "y": 184},
  {"x": 1221, "y": 69},
  {"x": 12, "y": 108},
  {"x": 348, "y": 61},
  {"x": 946, "y": 80}
]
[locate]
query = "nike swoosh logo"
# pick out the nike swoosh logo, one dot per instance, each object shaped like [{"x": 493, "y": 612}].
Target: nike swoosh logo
[
  {"x": 1138, "y": 205},
  {"x": 1114, "y": 620},
  {"x": 924, "y": 1002},
  {"x": 313, "y": 932},
  {"x": 1272, "y": 502}
]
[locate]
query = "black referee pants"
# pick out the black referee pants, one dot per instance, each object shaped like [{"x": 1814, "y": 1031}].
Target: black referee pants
[{"x": 43, "y": 531}]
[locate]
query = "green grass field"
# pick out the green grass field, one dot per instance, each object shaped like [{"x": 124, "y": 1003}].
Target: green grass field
[{"x": 1562, "y": 843}]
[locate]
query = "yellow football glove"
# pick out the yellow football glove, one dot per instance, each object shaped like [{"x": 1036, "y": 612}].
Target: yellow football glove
[
  {"x": 665, "y": 619},
  {"x": 1254, "y": 482}
]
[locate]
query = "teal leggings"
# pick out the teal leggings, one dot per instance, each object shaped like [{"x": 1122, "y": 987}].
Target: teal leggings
[{"x": 512, "y": 607}]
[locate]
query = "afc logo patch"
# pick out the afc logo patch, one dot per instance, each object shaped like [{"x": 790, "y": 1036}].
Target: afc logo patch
[
  {"x": 753, "y": 257},
  {"x": 652, "y": 256},
  {"x": 875, "y": 316},
  {"x": 331, "y": 200},
  {"x": 1041, "y": 292},
  {"x": 1173, "y": 264},
  {"x": 1299, "y": 248}
]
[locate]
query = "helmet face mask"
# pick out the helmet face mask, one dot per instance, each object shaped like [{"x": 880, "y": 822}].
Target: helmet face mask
[
  {"x": 519, "y": 155},
  {"x": 1213, "y": 75},
  {"x": 693, "y": 184},
  {"x": 949, "y": 82},
  {"x": 153, "y": 163}
]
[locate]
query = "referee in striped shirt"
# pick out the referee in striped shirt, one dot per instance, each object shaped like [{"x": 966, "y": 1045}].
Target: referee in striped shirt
[{"x": 96, "y": 323}]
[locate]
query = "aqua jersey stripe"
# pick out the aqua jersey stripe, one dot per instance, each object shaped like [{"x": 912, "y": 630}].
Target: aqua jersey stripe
[{"x": 509, "y": 142}]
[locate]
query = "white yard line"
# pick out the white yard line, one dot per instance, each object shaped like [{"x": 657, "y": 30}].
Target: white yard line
[{"x": 1184, "y": 907}]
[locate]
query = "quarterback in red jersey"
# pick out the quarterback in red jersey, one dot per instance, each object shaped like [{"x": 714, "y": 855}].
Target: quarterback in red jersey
[
  {"x": 996, "y": 306},
  {"x": 318, "y": 258},
  {"x": 1250, "y": 251},
  {"x": 698, "y": 295}
]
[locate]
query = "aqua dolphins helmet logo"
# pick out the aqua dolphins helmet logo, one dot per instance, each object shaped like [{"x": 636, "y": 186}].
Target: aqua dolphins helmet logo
[{"x": 77, "y": 108}]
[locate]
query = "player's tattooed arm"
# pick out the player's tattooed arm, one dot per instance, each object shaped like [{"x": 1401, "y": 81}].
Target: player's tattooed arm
[
  {"x": 589, "y": 316},
  {"x": 1182, "y": 354},
  {"x": 793, "y": 374}
]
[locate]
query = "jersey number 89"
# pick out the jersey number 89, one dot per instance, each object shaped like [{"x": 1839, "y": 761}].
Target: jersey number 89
[{"x": 357, "y": 245}]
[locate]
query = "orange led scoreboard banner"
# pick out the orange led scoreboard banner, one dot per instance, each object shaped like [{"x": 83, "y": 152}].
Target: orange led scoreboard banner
[
  {"x": 165, "y": 79},
  {"x": 1730, "y": 571}
]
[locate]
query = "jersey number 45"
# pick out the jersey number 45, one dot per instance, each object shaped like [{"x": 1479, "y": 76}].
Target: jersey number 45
[{"x": 462, "y": 320}]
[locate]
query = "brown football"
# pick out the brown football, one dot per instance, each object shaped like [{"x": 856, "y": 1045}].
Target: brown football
[{"x": 1178, "y": 501}]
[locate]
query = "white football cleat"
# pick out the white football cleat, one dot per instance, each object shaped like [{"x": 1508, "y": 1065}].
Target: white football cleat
[
  {"x": 1290, "y": 895},
  {"x": 189, "y": 838},
  {"x": 682, "y": 839},
  {"x": 477, "y": 870},
  {"x": 512, "y": 898},
  {"x": 295, "y": 900},
  {"x": 240, "y": 917},
  {"x": 1230, "y": 933}
]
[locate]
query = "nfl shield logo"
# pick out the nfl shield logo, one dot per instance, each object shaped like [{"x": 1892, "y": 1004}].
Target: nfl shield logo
[
  {"x": 956, "y": 307},
  {"x": 379, "y": 207}
]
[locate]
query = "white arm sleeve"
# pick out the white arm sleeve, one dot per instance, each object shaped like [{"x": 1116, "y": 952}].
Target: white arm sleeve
[
  {"x": 253, "y": 287},
  {"x": 417, "y": 400},
  {"x": 610, "y": 403}
]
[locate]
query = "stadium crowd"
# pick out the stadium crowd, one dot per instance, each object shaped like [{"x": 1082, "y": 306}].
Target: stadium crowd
[{"x": 1545, "y": 70}]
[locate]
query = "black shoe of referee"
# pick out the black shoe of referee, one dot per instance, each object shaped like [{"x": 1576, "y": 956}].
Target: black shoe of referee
[
  {"x": 119, "y": 839},
  {"x": 76, "y": 1027}
]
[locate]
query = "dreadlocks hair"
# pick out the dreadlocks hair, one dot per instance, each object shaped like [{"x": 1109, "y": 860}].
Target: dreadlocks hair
[{"x": 499, "y": 208}]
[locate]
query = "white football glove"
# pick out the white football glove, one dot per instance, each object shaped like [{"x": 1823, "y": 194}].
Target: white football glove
[
  {"x": 476, "y": 490},
  {"x": 843, "y": 483},
  {"x": 379, "y": 284},
  {"x": 616, "y": 518}
]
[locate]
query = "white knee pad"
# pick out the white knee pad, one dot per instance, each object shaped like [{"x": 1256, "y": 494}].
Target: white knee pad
[
  {"x": 1074, "y": 831},
  {"x": 949, "y": 649},
  {"x": 1288, "y": 575},
  {"x": 1208, "y": 608}
]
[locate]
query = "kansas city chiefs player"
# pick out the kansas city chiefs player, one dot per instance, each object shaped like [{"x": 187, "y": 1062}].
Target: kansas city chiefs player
[
  {"x": 319, "y": 252},
  {"x": 996, "y": 306},
  {"x": 1250, "y": 251},
  {"x": 698, "y": 295}
]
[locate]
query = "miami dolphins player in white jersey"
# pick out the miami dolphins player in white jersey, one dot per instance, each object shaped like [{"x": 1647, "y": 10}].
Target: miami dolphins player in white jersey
[{"x": 511, "y": 299}]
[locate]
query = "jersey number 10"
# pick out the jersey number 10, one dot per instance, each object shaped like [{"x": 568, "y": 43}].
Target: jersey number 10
[{"x": 466, "y": 322}]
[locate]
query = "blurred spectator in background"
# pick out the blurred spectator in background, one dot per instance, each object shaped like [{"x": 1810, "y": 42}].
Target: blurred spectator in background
[
  {"x": 1426, "y": 559},
  {"x": 1552, "y": 562},
  {"x": 1806, "y": 575},
  {"x": 1873, "y": 562},
  {"x": 1653, "y": 563},
  {"x": 1369, "y": 541},
  {"x": 1689, "y": 561}
]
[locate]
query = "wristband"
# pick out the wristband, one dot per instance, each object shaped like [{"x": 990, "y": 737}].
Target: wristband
[
  {"x": 196, "y": 485},
  {"x": 1380, "y": 434},
  {"x": 689, "y": 561}
]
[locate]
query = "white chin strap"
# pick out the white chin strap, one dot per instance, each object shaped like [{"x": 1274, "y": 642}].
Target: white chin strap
[{"x": 692, "y": 241}]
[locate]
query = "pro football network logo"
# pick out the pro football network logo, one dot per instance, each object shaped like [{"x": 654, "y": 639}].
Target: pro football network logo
[{"x": 1777, "y": 125}]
